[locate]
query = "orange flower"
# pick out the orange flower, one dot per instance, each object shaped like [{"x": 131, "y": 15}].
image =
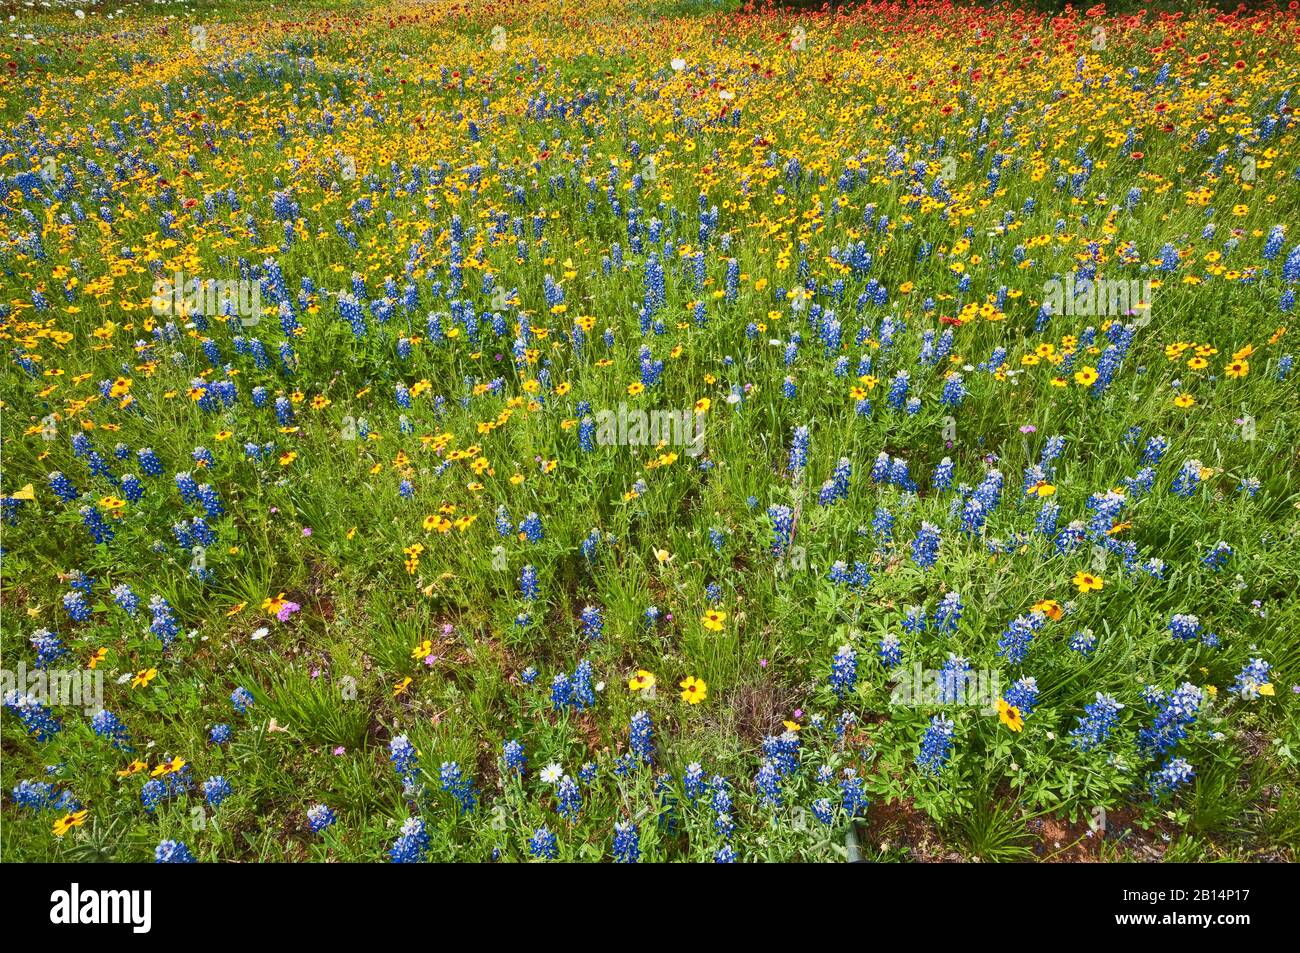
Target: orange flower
[{"x": 1050, "y": 608}]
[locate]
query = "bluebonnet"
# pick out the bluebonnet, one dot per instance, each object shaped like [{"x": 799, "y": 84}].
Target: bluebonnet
[
  {"x": 405, "y": 759},
  {"x": 798, "y": 450},
  {"x": 1217, "y": 556},
  {"x": 943, "y": 474},
  {"x": 1096, "y": 723},
  {"x": 590, "y": 545},
  {"x": 627, "y": 849},
  {"x": 240, "y": 699},
  {"x": 936, "y": 745},
  {"x": 1013, "y": 644},
  {"x": 823, "y": 810},
  {"x": 172, "y": 852},
  {"x": 125, "y": 598},
  {"x": 1083, "y": 642},
  {"x": 210, "y": 501},
  {"x": 36, "y": 718},
  {"x": 169, "y": 785},
  {"x": 640, "y": 734},
  {"x": 1023, "y": 695},
  {"x": 459, "y": 787},
  {"x": 693, "y": 781},
  {"x": 531, "y": 527},
  {"x": 319, "y": 817},
  {"x": 528, "y": 582},
  {"x": 890, "y": 651},
  {"x": 881, "y": 469},
  {"x": 720, "y": 803},
  {"x": 412, "y": 845},
  {"x": 592, "y": 624},
  {"x": 62, "y": 487},
  {"x": 513, "y": 757},
  {"x": 543, "y": 844},
  {"x": 1045, "y": 522},
  {"x": 49, "y": 647},
  {"x": 164, "y": 624},
  {"x": 837, "y": 487},
  {"x": 953, "y": 678},
  {"x": 568, "y": 799},
  {"x": 783, "y": 751},
  {"x": 583, "y": 695},
  {"x": 947, "y": 614},
  {"x": 852, "y": 798},
  {"x": 925, "y": 547},
  {"x": 844, "y": 671},
  {"x": 43, "y": 796},
  {"x": 561, "y": 691},
  {"x": 108, "y": 725},
  {"x": 1175, "y": 714},
  {"x": 1252, "y": 679},
  {"x": 954, "y": 391},
  {"x": 93, "y": 520},
  {"x": 1173, "y": 774},
  {"x": 898, "y": 390},
  {"x": 1186, "y": 627},
  {"x": 187, "y": 486},
  {"x": 882, "y": 523},
  {"x": 216, "y": 789},
  {"x": 768, "y": 784},
  {"x": 1070, "y": 538},
  {"x": 782, "y": 526},
  {"x": 1188, "y": 478},
  {"x": 150, "y": 465}
]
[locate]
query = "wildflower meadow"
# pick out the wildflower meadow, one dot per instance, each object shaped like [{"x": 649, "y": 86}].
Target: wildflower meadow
[{"x": 649, "y": 431}]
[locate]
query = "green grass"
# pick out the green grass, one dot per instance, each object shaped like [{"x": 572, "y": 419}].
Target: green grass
[{"x": 276, "y": 101}]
